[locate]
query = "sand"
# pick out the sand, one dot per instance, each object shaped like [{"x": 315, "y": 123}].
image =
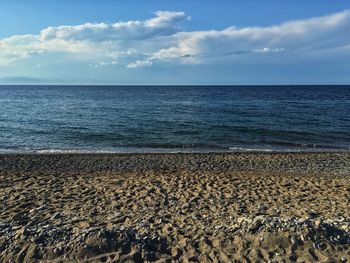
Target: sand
[{"x": 257, "y": 207}]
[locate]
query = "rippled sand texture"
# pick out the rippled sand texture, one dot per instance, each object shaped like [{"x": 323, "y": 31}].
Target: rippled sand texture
[{"x": 91, "y": 208}]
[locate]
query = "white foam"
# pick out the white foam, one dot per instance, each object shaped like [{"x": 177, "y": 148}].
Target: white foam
[
  {"x": 249, "y": 149},
  {"x": 50, "y": 151}
]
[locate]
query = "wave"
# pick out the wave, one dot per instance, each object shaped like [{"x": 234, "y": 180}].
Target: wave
[
  {"x": 291, "y": 148},
  {"x": 121, "y": 150},
  {"x": 243, "y": 149},
  {"x": 58, "y": 151}
]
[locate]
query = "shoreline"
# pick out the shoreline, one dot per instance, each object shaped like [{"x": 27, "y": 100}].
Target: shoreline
[
  {"x": 116, "y": 154},
  {"x": 334, "y": 163},
  {"x": 166, "y": 151},
  {"x": 168, "y": 207}
]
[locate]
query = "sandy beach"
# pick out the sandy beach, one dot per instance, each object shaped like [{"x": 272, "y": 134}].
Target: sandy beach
[{"x": 210, "y": 207}]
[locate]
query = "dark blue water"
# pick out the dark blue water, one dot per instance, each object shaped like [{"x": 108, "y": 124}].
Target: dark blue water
[{"x": 169, "y": 118}]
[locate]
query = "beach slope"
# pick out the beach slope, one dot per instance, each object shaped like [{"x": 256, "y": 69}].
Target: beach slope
[{"x": 212, "y": 207}]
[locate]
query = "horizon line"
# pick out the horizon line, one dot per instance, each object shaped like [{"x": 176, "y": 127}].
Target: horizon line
[{"x": 174, "y": 85}]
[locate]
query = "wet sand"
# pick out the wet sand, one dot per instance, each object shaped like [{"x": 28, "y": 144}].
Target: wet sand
[{"x": 243, "y": 207}]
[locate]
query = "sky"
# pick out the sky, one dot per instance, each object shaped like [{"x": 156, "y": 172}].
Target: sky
[{"x": 167, "y": 42}]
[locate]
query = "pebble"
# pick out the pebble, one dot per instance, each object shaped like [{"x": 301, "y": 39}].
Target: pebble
[
  {"x": 255, "y": 225},
  {"x": 17, "y": 217},
  {"x": 318, "y": 223},
  {"x": 3, "y": 226},
  {"x": 40, "y": 208},
  {"x": 294, "y": 240},
  {"x": 56, "y": 216},
  {"x": 321, "y": 246}
]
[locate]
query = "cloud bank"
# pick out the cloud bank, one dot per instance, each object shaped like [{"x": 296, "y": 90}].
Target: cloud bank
[{"x": 161, "y": 40}]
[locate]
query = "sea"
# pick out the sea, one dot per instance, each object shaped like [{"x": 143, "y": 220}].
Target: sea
[{"x": 133, "y": 119}]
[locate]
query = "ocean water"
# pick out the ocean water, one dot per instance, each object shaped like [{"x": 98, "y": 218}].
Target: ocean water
[{"x": 48, "y": 119}]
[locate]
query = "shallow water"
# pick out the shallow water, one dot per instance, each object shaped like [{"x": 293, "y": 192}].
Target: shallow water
[{"x": 174, "y": 118}]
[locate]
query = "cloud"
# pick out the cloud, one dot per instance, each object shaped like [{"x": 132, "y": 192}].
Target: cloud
[
  {"x": 28, "y": 46},
  {"x": 269, "y": 50},
  {"x": 160, "y": 39},
  {"x": 140, "y": 63},
  {"x": 164, "y": 23},
  {"x": 104, "y": 64},
  {"x": 311, "y": 35}
]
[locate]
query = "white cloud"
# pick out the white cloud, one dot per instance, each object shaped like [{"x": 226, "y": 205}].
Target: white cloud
[
  {"x": 164, "y": 23},
  {"x": 136, "y": 44},
  {"x": 312, "y": 35},
  {"x": 140, "y": 63},
  {"x": 267, "y": 50},
  {"x": 104, "y": 64}
]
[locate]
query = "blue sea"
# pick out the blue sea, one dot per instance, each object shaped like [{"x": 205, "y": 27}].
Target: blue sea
[{"x": 48, "y": 119}]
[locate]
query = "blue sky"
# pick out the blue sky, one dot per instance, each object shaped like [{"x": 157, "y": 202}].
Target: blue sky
[{"x": 174, "y": 42}]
